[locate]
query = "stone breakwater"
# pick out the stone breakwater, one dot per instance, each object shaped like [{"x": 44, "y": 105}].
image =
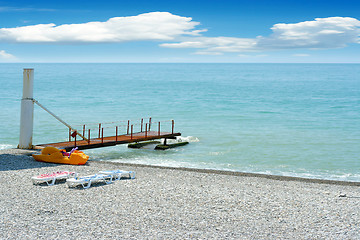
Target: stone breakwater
[{"x": 165, "y": 203}]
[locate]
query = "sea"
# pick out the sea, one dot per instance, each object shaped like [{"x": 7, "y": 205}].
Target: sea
[{"x": 299, "y": 120}]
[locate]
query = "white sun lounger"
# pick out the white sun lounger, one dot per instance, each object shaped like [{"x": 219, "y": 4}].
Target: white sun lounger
[
  {"x": 118, "y": 174},
  {"x": 50, "y": 178},
  {"x": 86, "y": 181}
]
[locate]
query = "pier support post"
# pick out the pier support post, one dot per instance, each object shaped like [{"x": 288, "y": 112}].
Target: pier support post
[{"x": 27, "y": 110}]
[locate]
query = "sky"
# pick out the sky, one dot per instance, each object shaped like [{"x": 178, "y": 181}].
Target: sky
[{"x": 139, "y": 31}]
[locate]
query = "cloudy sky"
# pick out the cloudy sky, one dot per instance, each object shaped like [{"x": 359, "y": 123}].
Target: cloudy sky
[{"x": 298, "y": 31}]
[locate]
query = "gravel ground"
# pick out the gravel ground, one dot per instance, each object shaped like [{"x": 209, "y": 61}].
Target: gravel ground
[{"x": 164, "y": 203}]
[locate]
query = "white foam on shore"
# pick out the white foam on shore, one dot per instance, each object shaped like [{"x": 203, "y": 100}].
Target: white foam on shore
[
  {"x": 211, "y": 161},
  {"x": 153, "y": 161},
  {"x": 5, "y": 146}
]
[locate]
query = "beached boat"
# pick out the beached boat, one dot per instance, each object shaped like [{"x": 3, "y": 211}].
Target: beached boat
[{"x": 55, "y": 155}]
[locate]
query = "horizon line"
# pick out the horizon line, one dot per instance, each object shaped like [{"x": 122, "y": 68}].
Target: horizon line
[{"x": 181, "y": 62}]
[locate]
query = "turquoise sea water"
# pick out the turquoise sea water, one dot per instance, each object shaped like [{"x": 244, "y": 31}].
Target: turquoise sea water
[{"x": 284, "y": 119}]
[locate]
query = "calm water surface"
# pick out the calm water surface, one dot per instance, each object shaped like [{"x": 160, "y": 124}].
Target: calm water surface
[{"x": 285, "y": 119}]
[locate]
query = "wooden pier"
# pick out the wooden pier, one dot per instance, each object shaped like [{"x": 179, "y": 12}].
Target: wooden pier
[
  {"x": 86, "y": 142},
  {"x": 110, "y": 141},
  {"x": 101, "y": 141}
]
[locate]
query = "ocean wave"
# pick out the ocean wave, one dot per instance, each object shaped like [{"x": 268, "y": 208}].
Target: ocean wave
[
  {"x": 5, "y": 146},
  {"x": 188, "y": 139}
]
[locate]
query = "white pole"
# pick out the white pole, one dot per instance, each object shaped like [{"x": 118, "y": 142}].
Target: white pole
[{"x": 27, "y": 110}]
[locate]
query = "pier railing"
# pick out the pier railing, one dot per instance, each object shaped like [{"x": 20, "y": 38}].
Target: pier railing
[{"x": 129, "y": 128}]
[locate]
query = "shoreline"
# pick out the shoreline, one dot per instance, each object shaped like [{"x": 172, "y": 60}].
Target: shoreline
[
  {"x": 171, "y": 203},
  {"x": 244, "y": 174},
  {"x": 214, "y": 171}
]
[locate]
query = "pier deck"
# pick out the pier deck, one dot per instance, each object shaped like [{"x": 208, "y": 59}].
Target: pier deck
[{"x": 111, "y": 141}]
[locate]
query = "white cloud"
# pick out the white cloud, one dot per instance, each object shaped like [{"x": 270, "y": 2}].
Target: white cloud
[
  {"x": 301, "y": 55},
  {"x": 5, "y": 55},
  {"x": 208, "y": 53},
  {"x": 215, "y": 45},
  {"x": 148, "y": 26},
  {"x": 332, "y": 32},
  {"x": 18, "y": 9},
  {"x": 179, "y": 32},
  {"x": 252, "y": 56}
]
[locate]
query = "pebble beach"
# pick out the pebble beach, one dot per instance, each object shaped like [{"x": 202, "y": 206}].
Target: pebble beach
[{"x": 171, "y": 203}]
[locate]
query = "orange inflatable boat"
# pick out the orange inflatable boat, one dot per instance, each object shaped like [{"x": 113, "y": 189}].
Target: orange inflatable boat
[{"x": 54, "y": 155}]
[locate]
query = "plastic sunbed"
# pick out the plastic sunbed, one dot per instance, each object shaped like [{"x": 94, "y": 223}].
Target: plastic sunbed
[
  {"x": 86, "y": 181},
  {"x": 50, "y": 178},
  {"x": 118, "y": 174}
]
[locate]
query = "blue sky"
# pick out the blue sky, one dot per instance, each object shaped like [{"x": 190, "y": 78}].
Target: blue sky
[{"x": 298, "y": 31}]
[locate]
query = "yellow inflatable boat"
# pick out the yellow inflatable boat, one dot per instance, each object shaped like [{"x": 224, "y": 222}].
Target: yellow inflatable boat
[{"x": 54, "y": 155}]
